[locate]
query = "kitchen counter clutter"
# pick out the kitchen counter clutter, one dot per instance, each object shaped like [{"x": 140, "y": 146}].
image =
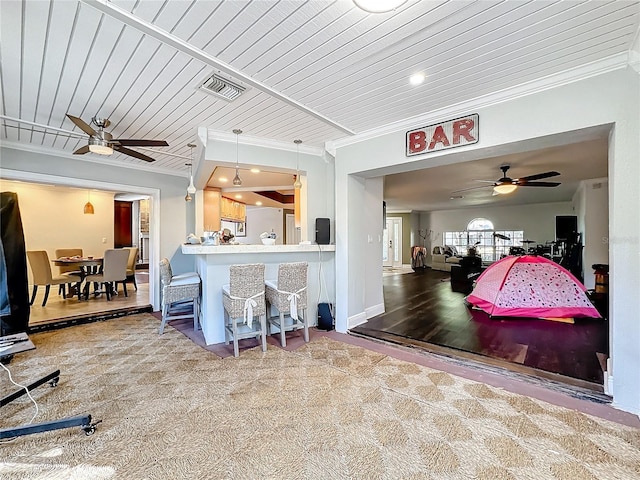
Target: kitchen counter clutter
[
  {"x": 212, "y": 264},
  {"x": 189, "y": 249}
]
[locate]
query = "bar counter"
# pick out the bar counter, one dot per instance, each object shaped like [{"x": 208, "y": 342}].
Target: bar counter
[{"x": 213, "y": 261}]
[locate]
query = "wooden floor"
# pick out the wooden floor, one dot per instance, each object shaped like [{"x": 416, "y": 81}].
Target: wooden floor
[
  {"x": 59, "y": 311},
  {"x": 423, "y": 311}
]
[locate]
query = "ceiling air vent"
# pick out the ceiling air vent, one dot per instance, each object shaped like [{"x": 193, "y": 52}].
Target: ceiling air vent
[{"x": 223, "y": 87}]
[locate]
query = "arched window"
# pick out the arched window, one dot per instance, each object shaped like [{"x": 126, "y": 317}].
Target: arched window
[{"x": 479, "y": 224}]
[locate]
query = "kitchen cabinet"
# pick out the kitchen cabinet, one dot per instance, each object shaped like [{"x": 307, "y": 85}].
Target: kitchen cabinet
[{"x": 232, "y": 210}]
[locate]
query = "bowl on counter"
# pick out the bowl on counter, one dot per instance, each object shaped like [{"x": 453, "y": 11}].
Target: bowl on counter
[{"x": 268, "y": 241}]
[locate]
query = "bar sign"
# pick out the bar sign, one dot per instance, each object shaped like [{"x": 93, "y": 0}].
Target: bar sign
[{"x": 444, "y": 135}]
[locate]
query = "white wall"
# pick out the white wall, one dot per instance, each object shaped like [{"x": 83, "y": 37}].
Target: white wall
[
  {"x": 591, "y": 202},
  {"x": 53, "y": 217},
  {"x": 555, "y": 115},
  {"x": 262, "y": 219},
  {"x": 538, "y": 221}
]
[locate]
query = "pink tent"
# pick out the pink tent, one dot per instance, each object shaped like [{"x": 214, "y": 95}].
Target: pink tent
[{"x": 530, "y": 286}]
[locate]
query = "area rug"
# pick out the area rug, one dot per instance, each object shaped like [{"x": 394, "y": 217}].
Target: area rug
[{"x": 328, "y": 410}]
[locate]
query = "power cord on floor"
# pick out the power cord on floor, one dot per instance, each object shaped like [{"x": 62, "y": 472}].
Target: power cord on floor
[{"x": 30, "y": 398}]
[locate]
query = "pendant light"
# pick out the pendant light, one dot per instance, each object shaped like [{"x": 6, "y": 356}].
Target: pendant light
[
  {"x": 191, "y": 189},
  {"x": 88, "y": 207},
  {"x": 297, "y": 183},
  {"x": 237, "y": 181}
]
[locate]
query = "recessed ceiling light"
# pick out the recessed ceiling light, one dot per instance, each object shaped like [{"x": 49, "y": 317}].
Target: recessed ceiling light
[
  {"x": 255, "y": 170},
  {"x": 238, "y": 196},
  {"x": 223, "y": 179},
  {"x": 258, "y": 203},
  {"x": 417, "y": 78},
  {"x": 378, "y": 6},
  {"x": 456, "y": 197}
]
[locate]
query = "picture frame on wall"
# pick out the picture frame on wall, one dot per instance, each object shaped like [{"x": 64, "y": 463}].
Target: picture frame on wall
[{"x": 241, "y": 229}]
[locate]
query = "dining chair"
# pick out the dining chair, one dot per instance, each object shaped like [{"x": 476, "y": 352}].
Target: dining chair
[
  {"x": 243, "y": 300},
  {"x": 41, "y": 271},
  {"x": 288, "y": 295},
  {"x": 68, "y": 269},
  {"x": 177, "y": 291},
  {"x": 114, "y": 271},
  {"x": 131, "y": 265}
]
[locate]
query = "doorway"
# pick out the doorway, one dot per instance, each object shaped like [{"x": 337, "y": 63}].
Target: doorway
[
  {"x": 122, "y": 224},
  {"x": 392, "y": 243}
]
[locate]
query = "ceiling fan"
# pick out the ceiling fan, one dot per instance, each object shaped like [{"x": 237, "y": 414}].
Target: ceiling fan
[
  {"x": 103, "y": 143},
  {"x": 506, "y": 185}
]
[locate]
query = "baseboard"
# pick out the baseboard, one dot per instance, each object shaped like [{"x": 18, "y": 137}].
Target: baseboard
[
  {"x": 357, "y": 319},
  {"x": 375, "y": 310}
]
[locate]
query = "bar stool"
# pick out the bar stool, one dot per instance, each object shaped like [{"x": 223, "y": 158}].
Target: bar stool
[
  {"x": 243, "y": 300},
  {"x": 289, "y": 295},
  {"x": 176, "y": 291}
]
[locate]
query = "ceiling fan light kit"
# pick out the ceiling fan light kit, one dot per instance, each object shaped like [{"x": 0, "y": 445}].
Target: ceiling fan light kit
[
  {"x": 505, "y": 188},
  {"x": 100, "y": 146},
  {"x": 103, "y": 143},
  {"x": 506, "y": 185}
]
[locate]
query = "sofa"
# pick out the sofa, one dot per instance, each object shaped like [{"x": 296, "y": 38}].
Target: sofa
[{"x": 443, "y": 257}]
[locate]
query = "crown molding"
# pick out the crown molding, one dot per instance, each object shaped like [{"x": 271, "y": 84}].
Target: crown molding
[
  {"x": 100, "y": 159},
  {"x": 611, "y": 63},
  {"x": 244, "y": 139}
]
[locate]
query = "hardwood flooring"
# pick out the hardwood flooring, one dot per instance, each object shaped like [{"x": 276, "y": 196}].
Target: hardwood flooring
[
  {"x": 60, "y": 312},
  {"x": 423, "y": 311}
]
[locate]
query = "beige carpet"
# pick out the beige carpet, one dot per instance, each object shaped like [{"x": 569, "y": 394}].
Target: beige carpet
[{"x": 326, "y": 411}]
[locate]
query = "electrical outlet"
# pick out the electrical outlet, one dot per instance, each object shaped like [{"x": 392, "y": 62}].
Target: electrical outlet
[{"x": 104, "y": 239}]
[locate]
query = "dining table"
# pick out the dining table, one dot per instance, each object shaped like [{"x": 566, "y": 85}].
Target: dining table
[{"x": 85, "y": 265}]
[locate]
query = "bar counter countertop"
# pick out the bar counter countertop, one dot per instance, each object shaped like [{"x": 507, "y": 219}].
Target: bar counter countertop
[{"x": 213, "y": 261}]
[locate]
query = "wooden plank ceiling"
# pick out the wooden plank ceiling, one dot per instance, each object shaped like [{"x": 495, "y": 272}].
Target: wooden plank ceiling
[{"x": 344, "y": 70}]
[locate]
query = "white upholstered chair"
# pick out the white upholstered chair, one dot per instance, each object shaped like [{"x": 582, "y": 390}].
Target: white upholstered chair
[
  {"x": 288, "y": 295},
  {"x": 177, "y": 292},
  {"x": 243, "y": 300},
  {"x": 41, "y": 270}
]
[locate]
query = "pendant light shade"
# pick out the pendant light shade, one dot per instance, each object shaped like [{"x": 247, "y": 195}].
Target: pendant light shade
[
  {"x": 237, "y": 181},
  {"x": 191, "y": 189},
  {"x": 88, "y": 207},
  {"x": 297, "y": 184}
]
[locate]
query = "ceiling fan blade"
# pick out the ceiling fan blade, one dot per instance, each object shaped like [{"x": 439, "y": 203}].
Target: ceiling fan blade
[
  {"x": 471, "y": 188},
  {"x": 82, "y": 125},
  {"x": 539, "y": 184},
  {"x": 485, "y": 181},
  {"x": 537, "y": 176},
  {"x": 82, "y": 150},
  {"x": 133, "y": 153},
  {"x": 140, "y": 142}
]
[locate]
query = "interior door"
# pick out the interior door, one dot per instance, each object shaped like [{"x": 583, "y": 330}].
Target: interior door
[
  {"x": 122, "y": 228},
  {"x": 292, "y": 233},
  {"x": 392, "y": 243}
]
